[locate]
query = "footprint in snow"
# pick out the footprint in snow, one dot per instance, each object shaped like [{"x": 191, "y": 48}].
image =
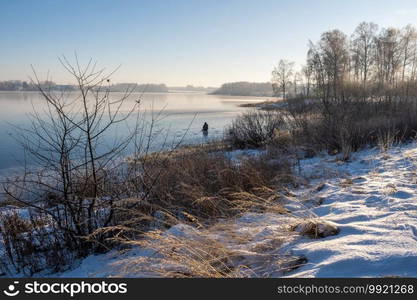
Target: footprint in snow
[
  {"x": 359, "y": 180},
  {"x": 373, "y": 201},
  {"x": 402, "y": 195}
]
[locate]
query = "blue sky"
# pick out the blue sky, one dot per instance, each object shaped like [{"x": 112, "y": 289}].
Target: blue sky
[{"x": 178, "y": 42}]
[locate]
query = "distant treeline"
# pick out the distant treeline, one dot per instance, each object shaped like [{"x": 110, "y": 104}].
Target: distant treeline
[
  {"x": 233, "y": 88},
  {"x": 243, "y": 88},
  {"x": 18, "y": 85}
]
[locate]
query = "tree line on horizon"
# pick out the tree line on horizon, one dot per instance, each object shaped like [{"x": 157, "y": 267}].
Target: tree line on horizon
[{"x": 19, "y": 85}]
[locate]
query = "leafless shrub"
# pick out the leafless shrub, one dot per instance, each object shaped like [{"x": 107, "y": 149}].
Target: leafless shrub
[
  {"x": 344, "y": 127},
  {"x": 254, "y": 128}
]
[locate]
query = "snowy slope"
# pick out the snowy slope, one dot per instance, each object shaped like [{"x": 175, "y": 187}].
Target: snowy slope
[
  {"x": 372, "y": 199},
  {"x": 374, "y": 202}
]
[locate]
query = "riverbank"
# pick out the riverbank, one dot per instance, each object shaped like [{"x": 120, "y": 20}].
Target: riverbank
[{"x": 366, "y": 205}]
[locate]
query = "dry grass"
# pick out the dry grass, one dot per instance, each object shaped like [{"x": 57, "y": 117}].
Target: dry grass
[
  {"x": 209, "y": 185},
  {"x": 219, "y": 251},
  {"x": 181, "y": 257}
]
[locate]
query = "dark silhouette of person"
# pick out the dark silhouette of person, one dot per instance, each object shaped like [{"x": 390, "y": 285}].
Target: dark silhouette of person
[{"x": 205, "y": 130}]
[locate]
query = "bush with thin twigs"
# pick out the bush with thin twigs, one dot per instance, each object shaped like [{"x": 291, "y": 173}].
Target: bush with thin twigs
[
  {"x": 254, "y": 129},
  {"x": 343, "y": 127},
  {"x": 339, "y": 127}
]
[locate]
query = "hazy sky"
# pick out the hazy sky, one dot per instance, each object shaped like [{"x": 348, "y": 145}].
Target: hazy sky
[{"x": 178, "y": 42}]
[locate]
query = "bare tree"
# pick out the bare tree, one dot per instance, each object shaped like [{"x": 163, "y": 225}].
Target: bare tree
[
  {"x": 334, "y": 52},
  {"x": 281, "y": 77},
  {"x": 74, "y": 163},
  {"x": 296, "y": 81},
  {"x": 389, "y": 57},
  {"x": 363, "y": 48},
  {"x": 409, "y": 46},
  {"x": 307, "y": 72}
]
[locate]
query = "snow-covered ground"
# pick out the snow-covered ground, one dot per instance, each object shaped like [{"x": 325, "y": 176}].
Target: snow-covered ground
[{"x": 372, "y": 199}]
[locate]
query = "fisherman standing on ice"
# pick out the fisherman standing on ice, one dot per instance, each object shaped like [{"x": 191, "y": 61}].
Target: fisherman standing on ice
[
  {"x": 205, "y": 128},
  {"x": 205, "y": 132}
]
